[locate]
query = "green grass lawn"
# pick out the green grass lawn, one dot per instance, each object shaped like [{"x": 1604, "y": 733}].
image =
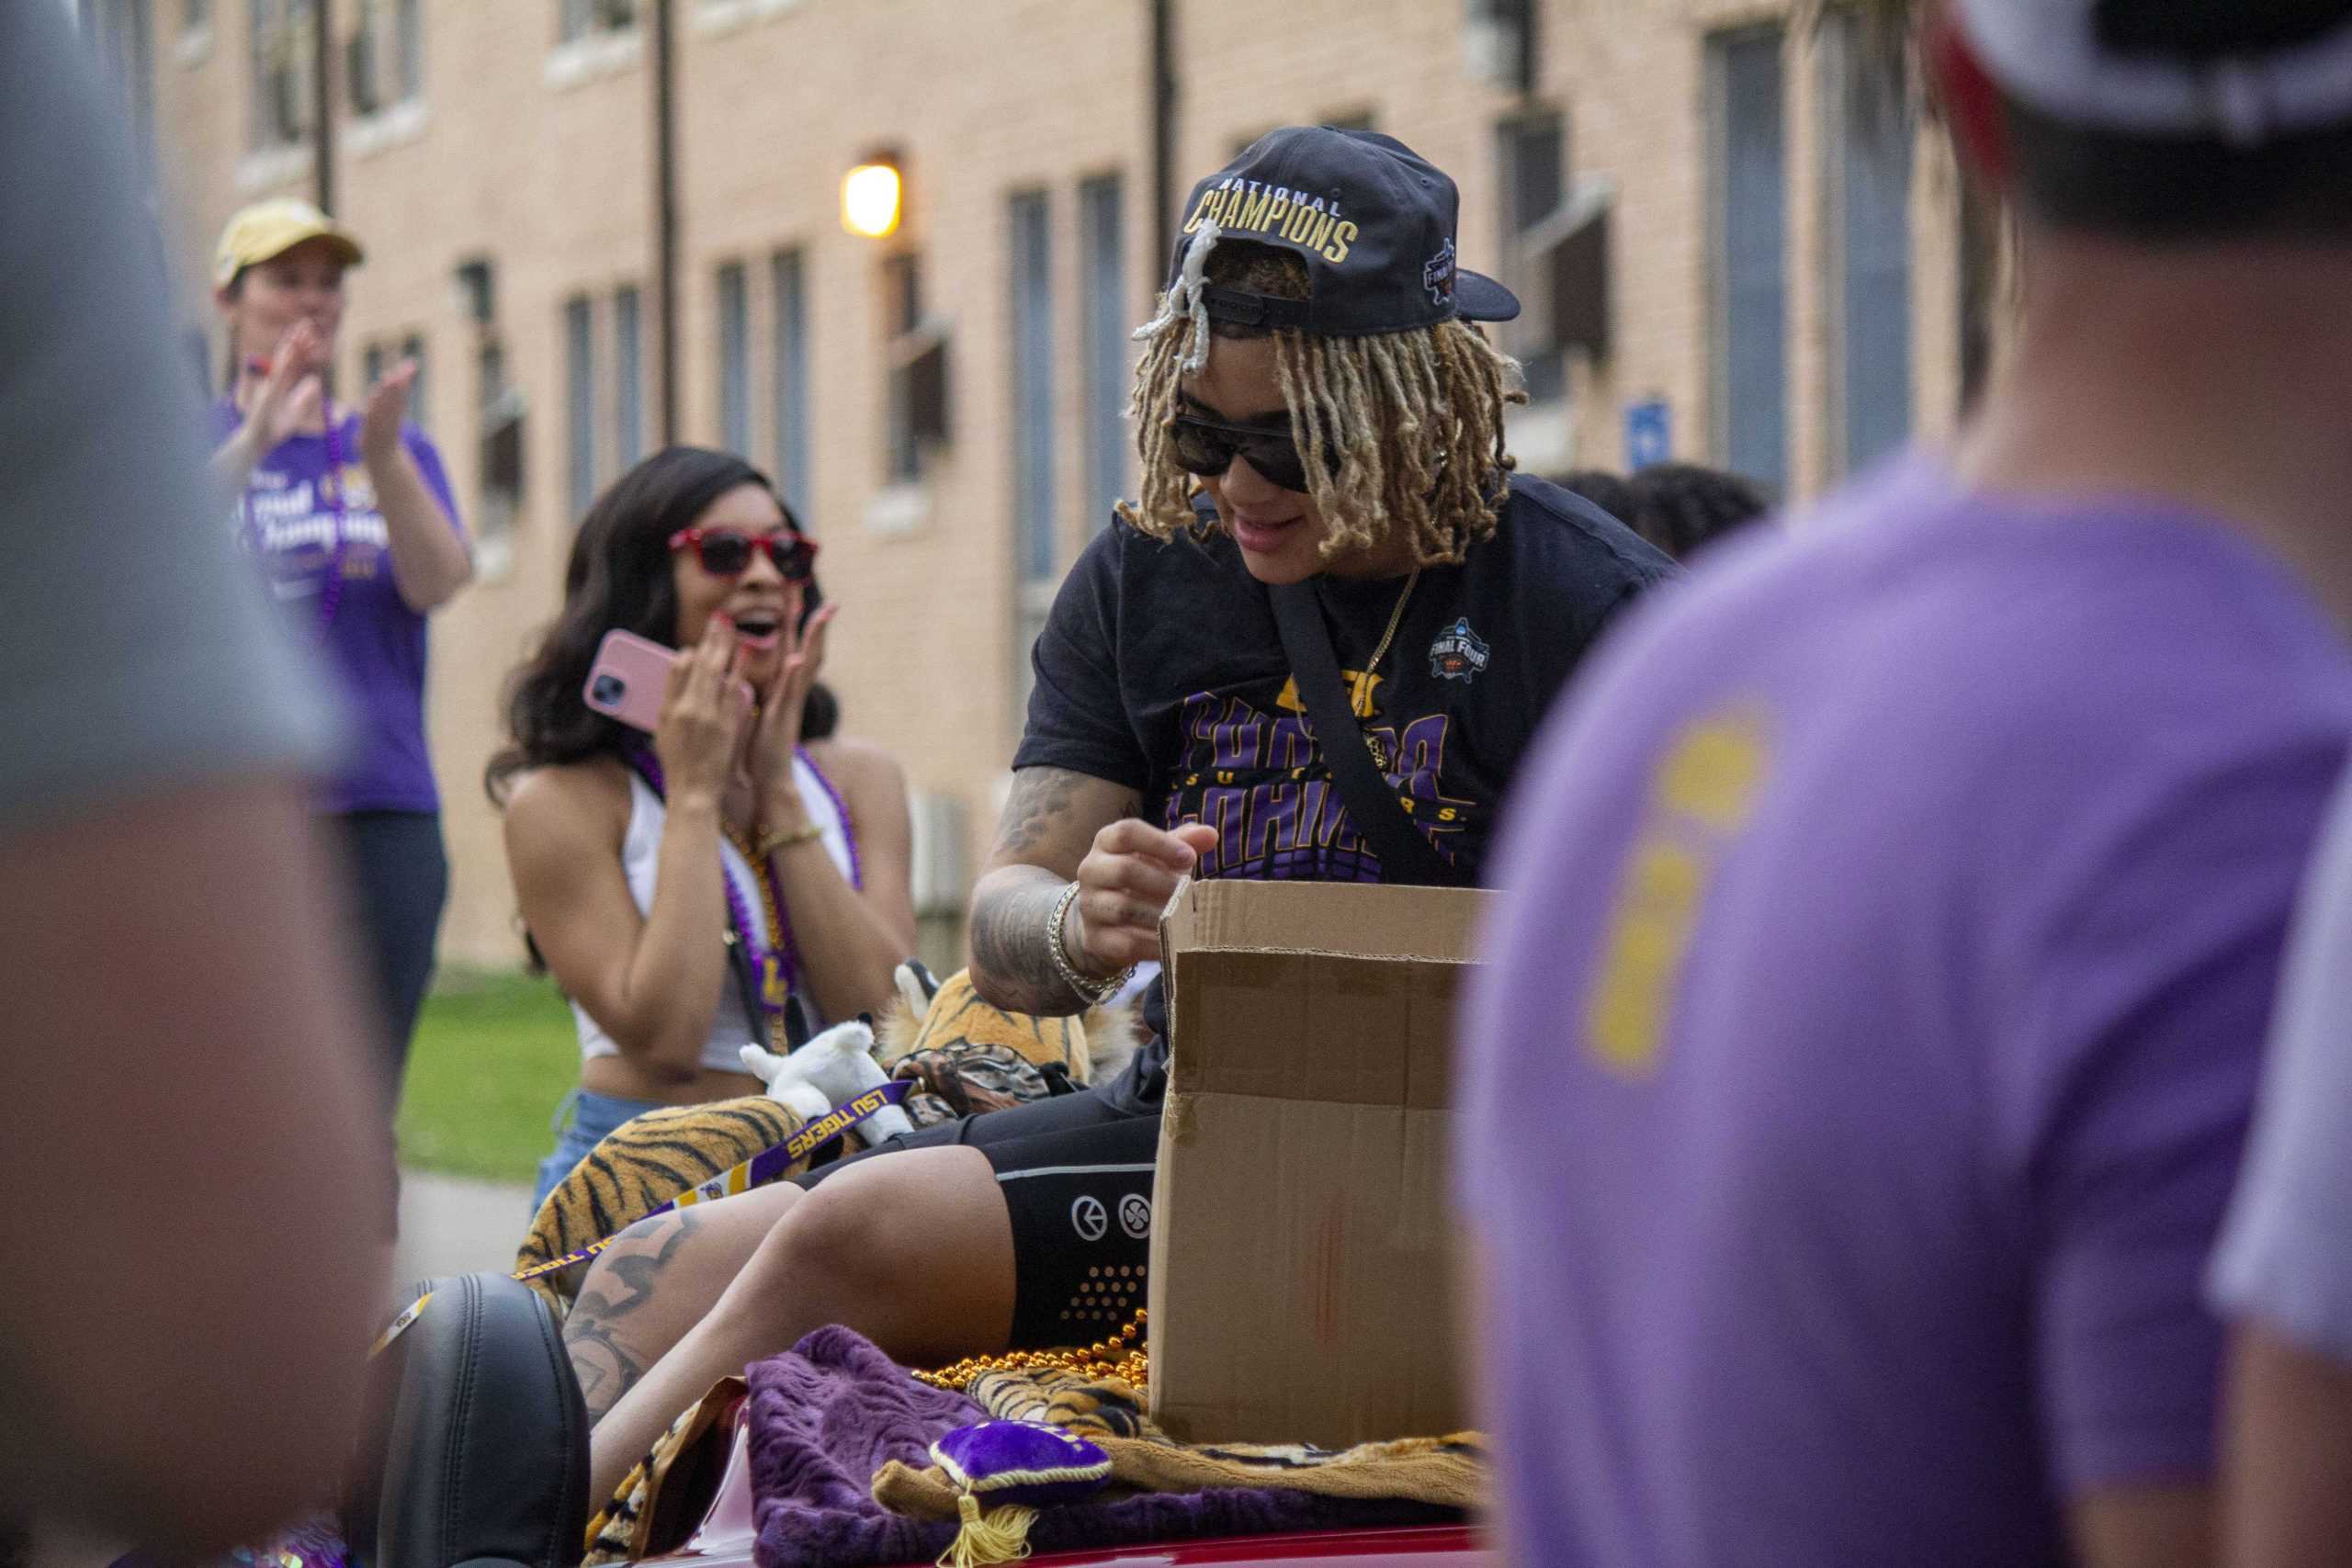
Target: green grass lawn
[{"x": 493, "y": 1054}]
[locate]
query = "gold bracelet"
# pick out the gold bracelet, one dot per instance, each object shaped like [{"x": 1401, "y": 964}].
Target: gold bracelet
[
  {"x": 783, "y": 838},
  {"x": 1093, "y": 993}
]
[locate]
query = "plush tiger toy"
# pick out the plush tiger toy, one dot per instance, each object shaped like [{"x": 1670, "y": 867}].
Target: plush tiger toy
[{"x": 963, "y": 1056}]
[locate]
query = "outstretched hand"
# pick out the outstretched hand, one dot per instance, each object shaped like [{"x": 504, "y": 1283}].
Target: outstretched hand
[
  {"x": 290, "y": 393},
  {"x": 388, "y": 401}
]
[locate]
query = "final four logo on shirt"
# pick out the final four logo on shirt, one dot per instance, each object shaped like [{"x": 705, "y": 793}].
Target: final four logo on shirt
[{"x": 1458, "y": 654}]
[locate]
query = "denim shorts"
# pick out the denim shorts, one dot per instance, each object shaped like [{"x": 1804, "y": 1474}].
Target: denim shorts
[{"x": 583, "y": 1120}]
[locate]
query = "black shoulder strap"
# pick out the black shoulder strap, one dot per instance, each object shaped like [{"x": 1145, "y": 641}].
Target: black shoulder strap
[{"x": 1371, "y": 800}]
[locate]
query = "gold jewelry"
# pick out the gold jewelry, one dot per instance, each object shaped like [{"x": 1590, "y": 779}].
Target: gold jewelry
[
  {"x": 1395, "y": 619},
  {"x": 1122, "y": 1356},
  {"x": 785, "y": 837},
  {"x": 1093, "y": 993}
]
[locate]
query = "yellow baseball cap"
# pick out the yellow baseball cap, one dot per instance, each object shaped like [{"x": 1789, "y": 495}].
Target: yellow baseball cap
[{"x": 270, "y": 229}]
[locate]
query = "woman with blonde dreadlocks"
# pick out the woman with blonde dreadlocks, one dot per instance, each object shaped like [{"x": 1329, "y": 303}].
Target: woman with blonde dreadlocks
[{"x": 1319, "y": 425}]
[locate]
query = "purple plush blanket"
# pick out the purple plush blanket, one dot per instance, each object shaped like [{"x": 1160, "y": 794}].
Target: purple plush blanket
[{"x": 827, "y": 1414}]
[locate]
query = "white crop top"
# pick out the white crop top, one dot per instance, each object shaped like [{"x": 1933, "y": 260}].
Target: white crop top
[{"x": 730, "y": 1031}]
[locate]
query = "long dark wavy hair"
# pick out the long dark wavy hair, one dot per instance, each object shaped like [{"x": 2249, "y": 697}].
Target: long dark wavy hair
[{"x": 619, "y": 578}]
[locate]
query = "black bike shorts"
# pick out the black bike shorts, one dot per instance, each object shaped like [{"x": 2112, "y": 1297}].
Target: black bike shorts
[{"x": 1075, "y": 1173}]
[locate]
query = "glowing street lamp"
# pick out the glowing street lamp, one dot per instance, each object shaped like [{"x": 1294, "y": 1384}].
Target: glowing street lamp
[{"x": 870, "y": 201}]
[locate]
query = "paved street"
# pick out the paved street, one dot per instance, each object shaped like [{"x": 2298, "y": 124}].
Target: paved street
[{"x": 451, "y": 1226}]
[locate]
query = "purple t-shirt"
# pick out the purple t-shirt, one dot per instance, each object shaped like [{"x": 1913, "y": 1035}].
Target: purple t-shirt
[
  {"x": 287, "y": 519},
  {"x": 1873, "y": 1027}
]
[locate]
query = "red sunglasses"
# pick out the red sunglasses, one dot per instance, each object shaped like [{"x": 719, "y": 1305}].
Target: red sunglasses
[{"x": 726, "y": 552}]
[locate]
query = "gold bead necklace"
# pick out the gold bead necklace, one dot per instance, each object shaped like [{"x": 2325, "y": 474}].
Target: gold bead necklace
[{"x": 1122, "y": 1356}]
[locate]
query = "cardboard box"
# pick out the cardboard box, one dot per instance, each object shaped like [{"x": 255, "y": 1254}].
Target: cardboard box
[{"x": 1300, "y": 1249}]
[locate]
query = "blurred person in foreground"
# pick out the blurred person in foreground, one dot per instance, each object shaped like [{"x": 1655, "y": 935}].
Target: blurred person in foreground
[
  {"x": 187, "y": 1061},
  {"x": 1679, "y": 507},
  {"x": 2283, "y": 1276},
  {"x": 348, "y": 515},
  {"x": 1875, "y": 1018}
]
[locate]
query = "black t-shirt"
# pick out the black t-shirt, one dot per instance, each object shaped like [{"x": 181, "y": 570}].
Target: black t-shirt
[{"x": 1160, "y": 668}]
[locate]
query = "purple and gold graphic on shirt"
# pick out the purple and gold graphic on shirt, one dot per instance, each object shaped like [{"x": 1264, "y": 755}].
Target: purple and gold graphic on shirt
[
  {"x": 1260, "y": 781},
  {"x": 291, "y": 524}
]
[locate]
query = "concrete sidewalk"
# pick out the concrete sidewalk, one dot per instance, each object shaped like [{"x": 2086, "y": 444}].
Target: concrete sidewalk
[{"x": 453, "y": 1225}]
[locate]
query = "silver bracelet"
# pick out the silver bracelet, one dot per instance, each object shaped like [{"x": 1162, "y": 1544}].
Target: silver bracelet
[{"x": 1093, "y": 993}]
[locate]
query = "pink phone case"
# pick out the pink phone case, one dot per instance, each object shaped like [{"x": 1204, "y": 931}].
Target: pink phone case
[{"x": 630, "y": 677}]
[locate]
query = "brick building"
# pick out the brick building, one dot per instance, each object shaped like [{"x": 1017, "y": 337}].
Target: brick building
[{"x": 1735, "y": 248}]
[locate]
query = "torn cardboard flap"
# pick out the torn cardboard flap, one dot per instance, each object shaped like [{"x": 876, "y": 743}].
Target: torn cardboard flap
[{"x": 1300, "y": 1287}]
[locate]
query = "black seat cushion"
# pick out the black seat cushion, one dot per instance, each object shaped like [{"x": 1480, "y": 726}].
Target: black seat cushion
[{"x": 478, "y": 1446}]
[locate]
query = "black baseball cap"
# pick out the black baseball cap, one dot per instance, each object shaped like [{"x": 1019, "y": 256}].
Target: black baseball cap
[{"x": 1371, "y": 218}]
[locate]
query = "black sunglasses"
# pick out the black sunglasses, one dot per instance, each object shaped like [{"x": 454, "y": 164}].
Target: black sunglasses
[
  {"x": 1207, "y": 447},
  {"x": 726, "y": 552}
]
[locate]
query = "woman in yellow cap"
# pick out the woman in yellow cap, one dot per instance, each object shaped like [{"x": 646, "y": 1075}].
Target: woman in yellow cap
[{"x": 348, "y": 513}]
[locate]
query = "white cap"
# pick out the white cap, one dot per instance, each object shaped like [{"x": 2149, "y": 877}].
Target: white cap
[{"x": 2047, "y": 53}]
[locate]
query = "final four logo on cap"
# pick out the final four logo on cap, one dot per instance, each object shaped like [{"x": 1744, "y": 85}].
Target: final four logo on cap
[
  {"x": 1438, "y": 276},
  {"x": 1458, "y": 654},
  {"x": 1373, "y": 222}
]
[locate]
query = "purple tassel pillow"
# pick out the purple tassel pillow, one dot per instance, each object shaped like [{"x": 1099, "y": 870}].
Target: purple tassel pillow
[{"x": 1021, "y": 1462}]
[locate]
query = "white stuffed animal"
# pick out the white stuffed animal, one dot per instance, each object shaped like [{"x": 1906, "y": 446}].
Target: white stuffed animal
[{"x": 832, "y": 1069}]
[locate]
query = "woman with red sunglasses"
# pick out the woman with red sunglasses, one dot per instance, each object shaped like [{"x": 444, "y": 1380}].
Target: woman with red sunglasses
[{"x": 742, "y": 874}]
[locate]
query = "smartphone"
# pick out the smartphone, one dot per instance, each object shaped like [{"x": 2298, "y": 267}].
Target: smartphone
[{"x": 630, "y": 677}]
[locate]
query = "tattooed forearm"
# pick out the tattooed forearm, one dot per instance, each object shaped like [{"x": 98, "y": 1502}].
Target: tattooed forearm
[
  {"x": 1040, "y": 797},
  {"x": 1050, "y": 821},
  {"x": 621, "y": 1280},
  {"x": 1011, "y": 968}
]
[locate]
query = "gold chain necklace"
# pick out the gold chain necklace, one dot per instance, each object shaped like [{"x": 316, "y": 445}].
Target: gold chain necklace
[
  {"x": 1359, "y": 694},
  {"x": 1395, "y": 619}
]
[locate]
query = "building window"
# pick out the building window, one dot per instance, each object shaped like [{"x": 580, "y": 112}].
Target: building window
[
  {"x": 1102, "y": 215},
  {"x": 918, "y": 360},
  {"x": 734, "y": 360},
  {"x": 502, "y": 474},
  {"x": 371, "y": 366},
  {"x": 1034, "y": 532},
  {"x": 1033, "y": 384},
  {"x": 277, "y": 57},
  {"x": 579, "y": 401},
  {"x": 577, "y": 19},
  {"x": 1869, "y": 149},
  {"x": 1533, "y": 155},
  {"x": 385, "y": 61},
  {"x": 789, "y": 284},
  {"x": 420, "y": 404},
  {"x": 1750, "y": 259},
  {"x": 628, "y": 372},
  {"x": 195, "y": 16}
]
